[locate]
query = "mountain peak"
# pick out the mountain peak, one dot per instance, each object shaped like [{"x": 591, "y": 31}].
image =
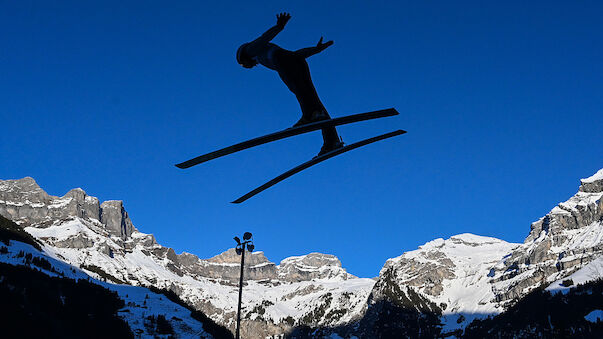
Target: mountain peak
[
  {"x": 23, "y": 201},
  {"x": 456, "y": 245},
  {"x": 230, "y": 256},
  {"x": 559, "y": 243},
  {"x": 312, "y": 266},
  {"x": 461, "y": 277},
  {"x": 26, "y": 187},
  {"x": 313, "y": 259},
  {"x": 592, "y": 184}
]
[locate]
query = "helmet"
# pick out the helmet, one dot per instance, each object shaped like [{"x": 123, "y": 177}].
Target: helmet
[{"x": 243, "y": 58}]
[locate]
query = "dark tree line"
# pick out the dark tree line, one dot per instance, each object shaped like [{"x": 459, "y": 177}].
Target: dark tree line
[
  {"x": 542, "y": 314},
  {"x": 216, "y": 330},
  {"x": 35, "y": 305},
  {"x": 11, "y": 231}
]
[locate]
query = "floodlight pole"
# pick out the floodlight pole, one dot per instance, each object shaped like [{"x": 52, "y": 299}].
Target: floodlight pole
[
  {"x": 240, "y": 294},
  {"x": 240, "y": 249}
]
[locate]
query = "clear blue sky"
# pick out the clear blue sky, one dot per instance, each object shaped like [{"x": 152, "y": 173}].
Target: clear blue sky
[{"x": 502, "y": 103}]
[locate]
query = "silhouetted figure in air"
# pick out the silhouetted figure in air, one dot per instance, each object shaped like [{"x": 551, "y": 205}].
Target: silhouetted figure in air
[{"x": 293, "y": 70}]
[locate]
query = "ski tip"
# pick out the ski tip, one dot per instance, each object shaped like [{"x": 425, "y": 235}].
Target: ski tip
[
  {"x": 181, "y": 165},
  {"x": 387, "y": 112},
  {"x": 243, "y": 198},
  {"x": 397, "y": 132},
  {"x": 393, "y": 110}
]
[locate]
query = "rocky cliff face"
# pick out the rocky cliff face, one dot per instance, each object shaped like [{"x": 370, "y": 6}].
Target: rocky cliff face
[
  {"x": 468, "y": 276},
  {"x": 60, "y": 300},
  {"x": 312, "y": 266},
  {"x": 100, "y": 238},
  {"x": 567, "y": 238},
  {"x": 439, "y": 288},
  {"x": 27, "y": 204},
  {"x": 449, "y": 277},
  {"x": 115, "y": 218}
]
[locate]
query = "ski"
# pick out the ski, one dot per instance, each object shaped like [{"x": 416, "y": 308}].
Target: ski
[
  {"x": 315, "y": 161},
  {"x": 287, "y": 133}
]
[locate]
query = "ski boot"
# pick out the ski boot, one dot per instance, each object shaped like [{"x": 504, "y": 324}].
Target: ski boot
[
  {"x": 316, "y": 116},
  {"x": 329, "y": 148}
]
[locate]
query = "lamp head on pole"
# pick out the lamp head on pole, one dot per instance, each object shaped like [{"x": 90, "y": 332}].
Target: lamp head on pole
[{"x": 246, "y": 242}]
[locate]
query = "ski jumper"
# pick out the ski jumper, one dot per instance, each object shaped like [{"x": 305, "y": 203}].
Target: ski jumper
[{"x": 295, "y": 73}]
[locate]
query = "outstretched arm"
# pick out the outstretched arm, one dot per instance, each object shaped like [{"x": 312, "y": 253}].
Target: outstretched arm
[
  {"x": 256, "y": 45},
  {"x": 310, "y": 51}
]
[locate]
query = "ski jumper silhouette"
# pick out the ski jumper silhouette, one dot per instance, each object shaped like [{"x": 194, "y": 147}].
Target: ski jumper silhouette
[{"x": 295, "y": 73}]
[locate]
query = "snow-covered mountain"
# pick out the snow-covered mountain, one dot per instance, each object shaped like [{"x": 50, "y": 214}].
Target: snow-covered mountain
[
  {"x": 311, "y": 290},
  {"x": 468, "y": 276},
  {"x": 454, "y": 274},
  {"x": 140, "y": 309},
  {"x": 439, "y": 288},
  {"x": 560, "y": 243}
]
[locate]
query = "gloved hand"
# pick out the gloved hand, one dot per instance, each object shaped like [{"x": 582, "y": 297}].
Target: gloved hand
[
  {"x": 282, "y": 18},
  {"x": 322, "y": 46}
]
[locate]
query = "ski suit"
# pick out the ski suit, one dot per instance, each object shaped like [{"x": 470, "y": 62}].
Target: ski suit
[{"x": 295, "y": 73}]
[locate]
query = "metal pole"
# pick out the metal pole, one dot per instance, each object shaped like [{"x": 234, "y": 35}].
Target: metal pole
[{"x": 240, "y": 292}]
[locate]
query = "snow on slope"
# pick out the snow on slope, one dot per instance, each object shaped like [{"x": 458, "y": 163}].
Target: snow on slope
[
  {"x": 595, "y": 177},
  {"x": 84, "y": 243},
  {"x": 140, "y": 302},
  {"x": 466, "y": 275},
  {"x": 455, "y": 274},
  {"x": 561, "y": 242},
  {"x": 101, "y": 239},
  {"x": 590, "y": 272}
]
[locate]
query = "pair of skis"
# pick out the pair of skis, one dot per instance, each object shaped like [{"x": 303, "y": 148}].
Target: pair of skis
[{"x": 296, "y": 131}]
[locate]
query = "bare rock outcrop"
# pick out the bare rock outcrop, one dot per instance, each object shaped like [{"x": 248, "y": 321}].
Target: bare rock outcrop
[
  {"x": 27, "y": 204},
  {"x": 561, "y": 242},
  {"x": 312, "y": 266},
  {"x": 116, "y": 219}
]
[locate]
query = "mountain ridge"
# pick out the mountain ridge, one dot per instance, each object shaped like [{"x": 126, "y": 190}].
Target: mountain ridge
[{"x": 456, "y": 281}]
